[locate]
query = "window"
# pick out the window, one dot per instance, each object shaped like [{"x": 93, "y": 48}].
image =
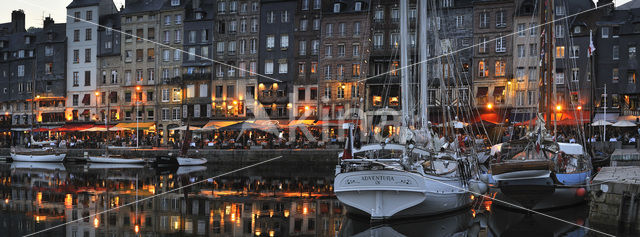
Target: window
[
  {"x": 519, "y": 98},
  {"x": 560, "y": 52},
  {"x": 315, "y": 47},
  {"x": 21, "y": 70},
  {"x": 271, "y": 17},
  {"x": 175, "y": 3},
  {"x": 336, "y": 7},
  {"x": 87, "y": 78},
  {"x": 395, "y": 15},
  {"x": 378, "y": 15},
  {"x": 191, "y": 90},
  {"x": 521, "y": 51},
  {"x": 329, "y": 30},
  {"x": 575, "y": 51},
  {"x": 459, "y": 22},
  {"x": 284, "y": 41},
  {"x": 271, "y": 42},
  {"x": 483, "y": 46},
  {"x": 75, "y": 77},
  {"x": 151, "y": 54},
  {"x": 356, "y": 28},
  {"x": 342, "y": 28},
  {"x": 483, "y": 71},
  {"x": 358, "y": 6},
  {"x": 520, "y": 74},
  {"x": 395, "y": 40},
  {"x": 48, "y": 68},
  {"x": 521, "y": 30},
  {"x": 87, "y": 35},
  {"x": 559, "y": 76},
  {"x": 268, "y": 67},
  {"x": 284, "y": 16},
  {"x": 575, "y": 74},
  {"x": 231, "y": 92},
  {"x": 176, "y": 113},
  {"x": 356, "y": 50},
  {"x": 340, "y": 71},
  {"x": 305, "y": 5},
  {"x": 314, "y": 67},
  {"x": 631, "y": 75},
  {"x": 220, "y": 48},
  {"x": 302, "y": 48},
  {"x": 316, "y": 24},
  {"x": 327, "y": 92},
  {"x": 501, "y": 46},
  {"x": 166, "y": 55},
  {"x": 327, "y": 72},
  {"x": 87, "y": 55},
  {"x": 577, "y": 30},
  {"x": 605, "y": 32},
  {"x": 532, "y": 74},
  {"x": 341, "y": 50},
  {"x": 254, "y": 25},
  {"x": 500, "y": 68},
  {"x": 232, "y": 47},
  {"x": 533, "y": 51},
  {"x": 355, "y": 70},
  {"x": 76, "y": 16},
  {"x": 340, "y": 94},
  {"x": 178, "y": 38},
  {"x": 500, "y": 19},
  {"x": 615, "y": 75},
  {"x": 253, "y": 46},
  {"x": 283, "y": 67},
  {"x": 233, "y": 7},
  {"x": 114, "y": 77},
  {"x": 632, "y": 53},
  {"x": 176, "y": 55},
  {"x": 301, "y": 69},
  {"x": 75, "y": 100},
  {"x": 139, "y": 55},
  {"x": 484, "y": 20},
  {"x": 327, "y": 51},
  {"x": 151, "y": 74},
  {"x": 616, "y": 52},
  {"x": 559, "y": 31},
  {"x": 560, "y": 11}
]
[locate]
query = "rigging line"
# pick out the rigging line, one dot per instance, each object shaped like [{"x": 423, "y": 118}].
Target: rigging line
[
  {"x": 162, "y": 45},
  {"x": 156, "y": 195},
  {"x": 510, "y": 34}
]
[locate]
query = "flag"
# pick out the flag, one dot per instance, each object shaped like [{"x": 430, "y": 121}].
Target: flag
[{"x": 591, "y": 46}]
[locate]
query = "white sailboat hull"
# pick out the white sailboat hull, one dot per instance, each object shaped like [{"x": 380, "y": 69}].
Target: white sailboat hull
[
  {"x": 38, "y": 157},
  {"x": 191, "y": 161},
  {"x": 388, "y": 194},
  {"x": 114, "y": 160}
]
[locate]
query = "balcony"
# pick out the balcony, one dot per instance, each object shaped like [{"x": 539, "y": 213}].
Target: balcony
[{"x": 196, "y": 76}]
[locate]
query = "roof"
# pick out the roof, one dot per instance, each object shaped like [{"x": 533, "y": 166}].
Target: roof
[
  {"x": 143, "y": 6},
  {"x": 83, "y": 3},
  {"x": 634, "y": 4}
]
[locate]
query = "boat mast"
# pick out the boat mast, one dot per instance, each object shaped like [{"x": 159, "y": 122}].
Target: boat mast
[
  {"x": 404, "y": 71},
  {"x": 546, "y": 60},
  {"x": 423, "y": 64}
]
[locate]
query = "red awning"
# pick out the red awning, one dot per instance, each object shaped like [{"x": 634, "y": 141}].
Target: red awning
[
  {"x": 86, "y": 99},
  {"x": 564, "y": 119},
  {"x": 41, "y": 130},
  {"x": 72, "y": 127}
]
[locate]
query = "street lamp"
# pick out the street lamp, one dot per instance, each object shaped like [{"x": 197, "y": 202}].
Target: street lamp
[{"x": 97, "y": 94}]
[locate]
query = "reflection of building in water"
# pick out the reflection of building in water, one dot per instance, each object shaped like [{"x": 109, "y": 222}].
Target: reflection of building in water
[{"x": 234, "y": 206}]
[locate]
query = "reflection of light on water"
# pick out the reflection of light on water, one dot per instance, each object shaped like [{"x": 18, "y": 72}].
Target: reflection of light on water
[
  {"x": 472, "y": 197},
  {"x": 96, "y": 222},
  {"x": 258, "y": 233},
  {"x": 136, "y": 229},
  {"x": 305, "y": 210},
  {"x": 272, "y": 233},
  {"x": 270, "y": 213},
  {"x": 41, "y": 218},
  {"x": 39, "y": 197},
  {"x": 473, "y": 212},
  {"x": 68, "y": 201},
  {"x": 6, "y": 201}
]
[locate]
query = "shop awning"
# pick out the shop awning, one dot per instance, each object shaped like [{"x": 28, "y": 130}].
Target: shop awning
[
  {"x": 610, "y": 117},
  {"x": 497, "y": 91},
  {"x": 41, "y": 130},
  {"x": 72, "y": 128},
  {"x": 214, "y": 125},
  {"x": 301, "y": 123},
  {"x": 632, "y": 118},
  {"x": 142, "y": 126},
  {"x": 102, "y": 128},
  {"x": 482, "y": 91},
  {"x": 184, "y": 128},
  {"x": 248, "y": 126},
  {"x": 563, "y": 119},
  {"x": 333, "y": 123}
]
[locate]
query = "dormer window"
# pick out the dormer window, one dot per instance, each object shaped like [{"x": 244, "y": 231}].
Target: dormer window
[
  {"x": 199, "y": 16},
  {"x": 50, "y": 35},
  {"x": 175, "y": 3},
  {"x": 1, "y": 44},
  {"x": 577, "y": 30},
  {"x": 27, "y": 40},
  {"x": 358, "y": 6},
  {"x": 336, "y": 7}
]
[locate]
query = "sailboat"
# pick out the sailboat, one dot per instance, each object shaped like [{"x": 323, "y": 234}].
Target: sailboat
[
  {"x": 394, "y": 181},
  {"x": 112, "y": 159},
  {"x": 536, "y": 172},
  {"x": 37, "y": 152}
]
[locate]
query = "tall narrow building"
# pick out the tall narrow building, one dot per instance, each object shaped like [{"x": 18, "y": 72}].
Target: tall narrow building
[
  {"x": 307, "y": 18},
  {"x": 82, "y": 48}
]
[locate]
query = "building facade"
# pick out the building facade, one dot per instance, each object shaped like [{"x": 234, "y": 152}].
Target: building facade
[
  {"x": 276, "y": 57},
  {"x": 343, "y": 61},
  {"x": 82, "y": 27},
  {"x": 493, "y": 60},
  {"x": 308, "y": 17},
  {"x": 109, "y": 69}
]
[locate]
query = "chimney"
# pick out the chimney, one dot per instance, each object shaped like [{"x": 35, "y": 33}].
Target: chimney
[
  {"x": 48, "y": 22},
  {"x": 17, "y": 21}
]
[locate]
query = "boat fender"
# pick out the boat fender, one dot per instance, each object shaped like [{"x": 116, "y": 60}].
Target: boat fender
[
  {"x": 477, "y": 187},
  {"x": 581, "y": 192}
]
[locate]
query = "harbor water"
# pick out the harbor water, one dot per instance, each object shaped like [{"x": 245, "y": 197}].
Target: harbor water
[{"x": 291, "y": 196}]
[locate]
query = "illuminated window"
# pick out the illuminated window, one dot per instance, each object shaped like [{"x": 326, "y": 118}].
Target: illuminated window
[
  {"x": 483, "y": 71},
  {"x": 500, "y": 68},
  {"x": 394, "y": 68},
  {"x": 560, "y": 52}
]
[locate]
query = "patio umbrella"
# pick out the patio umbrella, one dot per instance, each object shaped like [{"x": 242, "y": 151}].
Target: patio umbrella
[
  {"x": 183, "y": 128},
  {"x": 624, "y": 124},
  {"x": 602, "y": 123}
]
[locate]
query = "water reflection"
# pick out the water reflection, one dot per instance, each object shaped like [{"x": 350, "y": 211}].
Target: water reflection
[{"x": 290, "y": 198}]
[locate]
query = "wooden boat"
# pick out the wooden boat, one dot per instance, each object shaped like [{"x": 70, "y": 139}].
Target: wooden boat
[
  {"x": 38, "y": 155},
  {"x": 115, "y": 160},
  {"x": 191, "y": 161}
]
